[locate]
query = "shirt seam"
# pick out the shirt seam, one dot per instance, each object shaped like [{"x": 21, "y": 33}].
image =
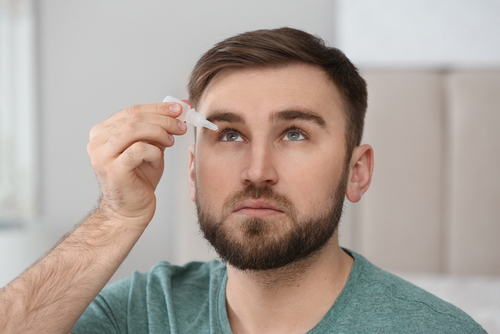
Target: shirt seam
[
  {"x": 419, "y": 302},
  {"x": 478, "y": 327},
  {"x": 219, "y": 292}
]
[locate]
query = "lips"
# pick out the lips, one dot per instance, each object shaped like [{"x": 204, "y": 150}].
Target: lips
[{"x": 249, "y": 206}]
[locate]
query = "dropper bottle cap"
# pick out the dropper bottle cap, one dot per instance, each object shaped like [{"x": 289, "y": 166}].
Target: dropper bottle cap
[{"x": 191, "y": 116}]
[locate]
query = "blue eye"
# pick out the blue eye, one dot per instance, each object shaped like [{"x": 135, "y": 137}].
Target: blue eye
[
  {"x": 231, "y": 136},
  {"x": 294, "y": 135}
]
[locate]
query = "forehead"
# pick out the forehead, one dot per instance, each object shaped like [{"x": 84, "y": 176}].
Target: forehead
[{"x": 299, "y": 86}]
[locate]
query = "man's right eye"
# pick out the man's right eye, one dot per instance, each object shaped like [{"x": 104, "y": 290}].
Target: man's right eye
[{"x": 230, "y": 136}]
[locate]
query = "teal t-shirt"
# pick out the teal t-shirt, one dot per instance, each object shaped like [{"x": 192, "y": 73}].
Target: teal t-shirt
[{"x": 192, "y": 299}]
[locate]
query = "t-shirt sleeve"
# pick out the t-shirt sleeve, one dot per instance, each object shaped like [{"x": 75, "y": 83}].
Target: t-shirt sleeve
[
  {"x": 108, "y": 311},
  {"x": 97, "y": 318}
]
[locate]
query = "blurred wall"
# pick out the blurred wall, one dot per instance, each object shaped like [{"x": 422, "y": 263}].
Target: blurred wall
[
  {"x": 419, "y": 33},
  {"x": 433, "y": 202}
]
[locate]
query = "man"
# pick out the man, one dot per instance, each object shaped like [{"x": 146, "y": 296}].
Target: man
[{"x": 269, "y": 189}]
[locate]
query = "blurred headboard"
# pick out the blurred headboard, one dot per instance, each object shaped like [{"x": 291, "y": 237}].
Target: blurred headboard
[{"x": 434, "y": 202}]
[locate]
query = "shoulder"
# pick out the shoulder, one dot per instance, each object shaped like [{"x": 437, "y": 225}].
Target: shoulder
[
  {"x": 142, "y": 300},
  {"x": 191, "y": 275},
  {"x": 400, "y": 303},
  {"x": 166, "y": 276}
]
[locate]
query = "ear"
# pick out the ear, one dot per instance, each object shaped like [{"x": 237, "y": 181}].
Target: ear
[
  {"x": 360, "y": 172},
  {"x": 192, "y": 173}
]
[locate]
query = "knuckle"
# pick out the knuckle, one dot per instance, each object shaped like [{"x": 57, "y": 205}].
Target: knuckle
[
  {"x": 94, "y": 144},
  {"x": 137, "y": 118},
  {"x": 133, "y": 109},
  {"x": 138, "y": 148},
  {"x": 93, "y": 131},
  {"x": 170, "y": 123},
  {"x": 131, "y": 128}
]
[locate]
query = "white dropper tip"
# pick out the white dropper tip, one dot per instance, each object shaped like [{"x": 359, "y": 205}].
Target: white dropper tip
[{"x": 210, "y": 125}]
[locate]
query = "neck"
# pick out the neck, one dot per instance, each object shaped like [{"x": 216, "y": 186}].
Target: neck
[{"x": 289, "y": 299}]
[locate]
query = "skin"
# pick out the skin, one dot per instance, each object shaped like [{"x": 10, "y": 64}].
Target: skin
[{"x": 304, "y": 163}]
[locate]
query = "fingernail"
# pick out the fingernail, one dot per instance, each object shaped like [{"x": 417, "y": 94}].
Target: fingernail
[
  {"x": 175, "y": 108},
  {"x": 182, "y": 126},
  {"x": 171, "y": 138}
]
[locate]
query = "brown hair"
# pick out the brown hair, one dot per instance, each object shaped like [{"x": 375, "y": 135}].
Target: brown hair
[{"x": 282, "y": 47}]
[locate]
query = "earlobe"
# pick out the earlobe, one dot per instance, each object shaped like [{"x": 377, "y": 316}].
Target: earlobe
[
  {"x": 360, "y": 174},
  {"x": 192, "y": 177}
]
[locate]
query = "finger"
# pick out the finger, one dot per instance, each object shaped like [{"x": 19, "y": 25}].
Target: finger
[
  {"x": 143, "y": 113},
  {"x": 138, "y": 153},
  {"x": 169, "y": 124},
  {"x": 131, "y": 133},
  {"x": 120, "y": 135},
  {"x": 171, "y": 109}
]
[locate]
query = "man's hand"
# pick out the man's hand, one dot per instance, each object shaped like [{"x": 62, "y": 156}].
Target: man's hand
[{"x": 127, "y": 154}]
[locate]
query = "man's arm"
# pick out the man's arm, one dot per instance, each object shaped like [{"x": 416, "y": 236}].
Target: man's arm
[
  {"x": 51, "y": 296},
  {"x": 127, "y": 155}
]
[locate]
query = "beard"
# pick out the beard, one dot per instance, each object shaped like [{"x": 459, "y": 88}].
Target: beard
[{"x": 270, "y": 243}]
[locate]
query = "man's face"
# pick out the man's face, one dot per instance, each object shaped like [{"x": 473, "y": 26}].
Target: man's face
[{"x": 269, "y": 186}]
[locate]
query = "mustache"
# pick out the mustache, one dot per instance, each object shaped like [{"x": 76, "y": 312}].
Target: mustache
[{"x": 265, "y": 192}]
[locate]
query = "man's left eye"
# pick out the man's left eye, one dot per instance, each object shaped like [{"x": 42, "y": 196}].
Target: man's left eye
[{"x": 294, "y": 135}]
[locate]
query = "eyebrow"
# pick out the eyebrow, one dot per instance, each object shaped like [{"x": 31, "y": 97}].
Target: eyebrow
[
  {"x": 225, "y": 116},
  {"x": 306, "y": 115},
  {"x": 284, "y": 115}
]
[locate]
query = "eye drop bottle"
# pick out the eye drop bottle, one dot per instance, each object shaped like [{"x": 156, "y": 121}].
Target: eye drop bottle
[{"x": 191, "y": 116}]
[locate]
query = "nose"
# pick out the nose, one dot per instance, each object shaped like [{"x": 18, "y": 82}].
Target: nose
[{"x": 260, "y": 167}]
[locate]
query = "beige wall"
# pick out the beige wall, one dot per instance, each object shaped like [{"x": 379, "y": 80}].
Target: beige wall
[{"x": 434, "y": 204}]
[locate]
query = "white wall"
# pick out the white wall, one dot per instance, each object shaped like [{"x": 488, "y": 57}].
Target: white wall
[{"x": 416, "y": 33}]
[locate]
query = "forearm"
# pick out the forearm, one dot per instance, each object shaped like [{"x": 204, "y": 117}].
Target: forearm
[{"x": 51, "y": 296}]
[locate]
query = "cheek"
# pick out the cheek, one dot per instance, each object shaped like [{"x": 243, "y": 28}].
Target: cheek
[
  {"x": 215, "y": 180},
  {"x": 310, "y": 183}
]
